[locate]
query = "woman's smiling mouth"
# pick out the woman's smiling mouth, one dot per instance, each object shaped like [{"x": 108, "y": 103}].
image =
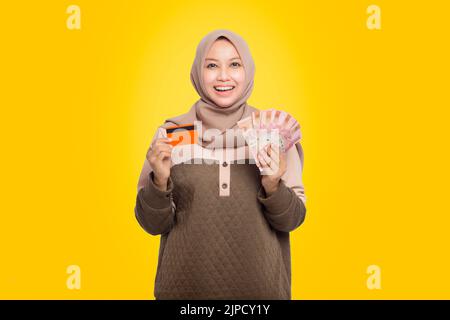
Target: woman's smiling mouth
[{"x": 223, "y": 90}]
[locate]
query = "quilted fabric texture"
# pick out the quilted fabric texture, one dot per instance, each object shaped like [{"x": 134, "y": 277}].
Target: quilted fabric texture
[{"x": 214, "y": 247}]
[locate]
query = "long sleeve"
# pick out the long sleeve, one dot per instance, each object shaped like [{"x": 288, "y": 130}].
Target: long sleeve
[
  {"x": 285, "y": 209},
  {"x": 155, "y": 209}
]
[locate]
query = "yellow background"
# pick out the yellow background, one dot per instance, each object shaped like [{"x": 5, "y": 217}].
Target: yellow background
[{"x": 79, "y": 108}]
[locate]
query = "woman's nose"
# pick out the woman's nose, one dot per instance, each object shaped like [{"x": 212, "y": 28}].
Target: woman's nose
[{"x": 223, "y": 74}]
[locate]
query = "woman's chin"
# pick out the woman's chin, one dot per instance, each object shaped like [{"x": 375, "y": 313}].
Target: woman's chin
[{"x": 224, "y": 102}]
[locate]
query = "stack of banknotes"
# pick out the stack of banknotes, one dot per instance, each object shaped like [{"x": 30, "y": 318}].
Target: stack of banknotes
[{"x": 270, "y": 126}]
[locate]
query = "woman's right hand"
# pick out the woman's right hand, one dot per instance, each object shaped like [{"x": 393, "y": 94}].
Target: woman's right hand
[{"x": 159, "y": 156}]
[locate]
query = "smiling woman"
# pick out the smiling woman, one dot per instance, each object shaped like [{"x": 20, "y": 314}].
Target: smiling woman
[{"x": 224, "y": 228}]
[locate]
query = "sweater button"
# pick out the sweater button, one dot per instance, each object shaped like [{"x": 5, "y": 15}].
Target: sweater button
[
  {"x": 224, "y": 164},
  {"x": 224, "y": 185}
]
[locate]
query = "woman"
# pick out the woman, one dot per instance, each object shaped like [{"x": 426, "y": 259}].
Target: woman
[{"x": 224, "y": 226}]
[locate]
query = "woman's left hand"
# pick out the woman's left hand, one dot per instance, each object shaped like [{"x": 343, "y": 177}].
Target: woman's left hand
[{"x": 273, "y": 163}]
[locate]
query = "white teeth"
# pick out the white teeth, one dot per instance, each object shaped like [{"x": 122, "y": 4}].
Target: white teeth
[{"x": 223, "y": 88}]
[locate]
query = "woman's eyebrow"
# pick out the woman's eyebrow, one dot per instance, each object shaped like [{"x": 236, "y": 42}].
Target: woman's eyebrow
[{"x": 218, "y": 60}]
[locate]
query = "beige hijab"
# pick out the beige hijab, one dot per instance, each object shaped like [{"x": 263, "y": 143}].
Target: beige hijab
[{"x": 205, "y": 110}]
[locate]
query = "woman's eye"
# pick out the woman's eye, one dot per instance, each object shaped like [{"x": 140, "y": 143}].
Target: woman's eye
[{"x": 233, "y": 64}]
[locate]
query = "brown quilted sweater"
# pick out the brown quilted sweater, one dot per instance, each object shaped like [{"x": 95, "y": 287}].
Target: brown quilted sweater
[{"x": 221, "y": 247}]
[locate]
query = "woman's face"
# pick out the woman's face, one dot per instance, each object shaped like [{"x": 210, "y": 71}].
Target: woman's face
[{"x": 223, "y": 70}]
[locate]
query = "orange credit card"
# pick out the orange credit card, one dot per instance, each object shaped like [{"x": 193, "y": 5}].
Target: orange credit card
[{"x": 182, "y": 134}]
